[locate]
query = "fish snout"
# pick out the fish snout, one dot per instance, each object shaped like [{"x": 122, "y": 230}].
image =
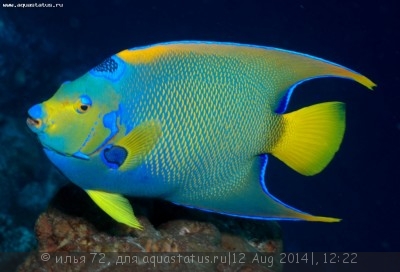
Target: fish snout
[{"x": 35, "y": 119}]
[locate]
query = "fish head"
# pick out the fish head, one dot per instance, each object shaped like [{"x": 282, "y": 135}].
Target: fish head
[{"x": 80, "y": 118}]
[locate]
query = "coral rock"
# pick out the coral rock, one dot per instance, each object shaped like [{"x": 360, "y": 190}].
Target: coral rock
[{"x": 187, "y": 240}]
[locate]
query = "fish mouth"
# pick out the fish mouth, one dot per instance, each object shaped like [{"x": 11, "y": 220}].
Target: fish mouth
[
  {"x": 36, "y": 126},
  {"x": 33, "y": 124}
]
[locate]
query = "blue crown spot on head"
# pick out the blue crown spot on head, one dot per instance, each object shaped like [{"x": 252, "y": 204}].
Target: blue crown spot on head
[
  {"x": 111, "y": 69},
  {"x": 109, "y": 65}
]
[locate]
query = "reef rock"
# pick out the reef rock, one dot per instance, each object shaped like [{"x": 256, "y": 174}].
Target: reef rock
[{"x": 74, "y": 235}]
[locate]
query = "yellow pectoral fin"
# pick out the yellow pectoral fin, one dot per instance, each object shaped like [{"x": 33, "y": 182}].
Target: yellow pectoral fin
[
  {"x": 138, "y": 143},
  {"x": 311, "y": 137},
  {"x": 116, "y": 206}
]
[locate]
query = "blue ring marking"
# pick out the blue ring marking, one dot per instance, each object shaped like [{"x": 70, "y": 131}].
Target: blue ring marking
[
  {"x": 114, "y": 155},
  {"x": 112, "y": 69},
  {"x": 104, "y": 159}
]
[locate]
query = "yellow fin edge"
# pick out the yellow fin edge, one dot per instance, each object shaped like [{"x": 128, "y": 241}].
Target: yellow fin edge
[{"x": 323, "y": 219}]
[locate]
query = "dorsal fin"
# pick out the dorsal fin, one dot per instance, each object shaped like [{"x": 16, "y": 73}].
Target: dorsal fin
[
  {"x": 294, "y": 68},
  {"x": 283, "y": 70}
]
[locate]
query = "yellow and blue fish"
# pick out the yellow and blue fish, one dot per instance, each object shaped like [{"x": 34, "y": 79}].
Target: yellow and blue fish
[{"x": 191, "y": 123}]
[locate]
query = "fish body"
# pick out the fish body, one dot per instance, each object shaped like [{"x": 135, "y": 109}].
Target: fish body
[{"x": 191, "y": 123}]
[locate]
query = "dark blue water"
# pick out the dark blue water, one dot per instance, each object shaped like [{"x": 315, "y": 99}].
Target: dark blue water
[{"x": 40, "y": 48}]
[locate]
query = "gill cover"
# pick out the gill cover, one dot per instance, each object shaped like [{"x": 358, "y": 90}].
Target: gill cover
[{"x": 81, "y": 116}]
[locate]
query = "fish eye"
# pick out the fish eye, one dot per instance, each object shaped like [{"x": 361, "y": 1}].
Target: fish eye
[
  {"x": 83, "y": 104},
  {"x": 84, "y": 107}
]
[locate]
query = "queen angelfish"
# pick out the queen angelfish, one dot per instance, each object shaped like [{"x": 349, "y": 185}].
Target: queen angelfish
[{"x": 191, "y": 123}]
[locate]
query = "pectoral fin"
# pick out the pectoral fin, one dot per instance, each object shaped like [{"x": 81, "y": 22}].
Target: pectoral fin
[
  {"x": 116, "y": 206},
  {"x": 131, "y": 150}
]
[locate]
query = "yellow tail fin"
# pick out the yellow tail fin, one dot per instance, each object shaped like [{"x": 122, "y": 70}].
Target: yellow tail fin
[{"x": 311, "y": 137}]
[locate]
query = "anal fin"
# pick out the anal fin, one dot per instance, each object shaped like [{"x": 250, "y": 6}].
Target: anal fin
[{"x": 253, "y": 200}]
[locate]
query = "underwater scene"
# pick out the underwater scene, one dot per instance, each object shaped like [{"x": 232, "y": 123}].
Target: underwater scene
[{"x": 215, "y": 127}]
